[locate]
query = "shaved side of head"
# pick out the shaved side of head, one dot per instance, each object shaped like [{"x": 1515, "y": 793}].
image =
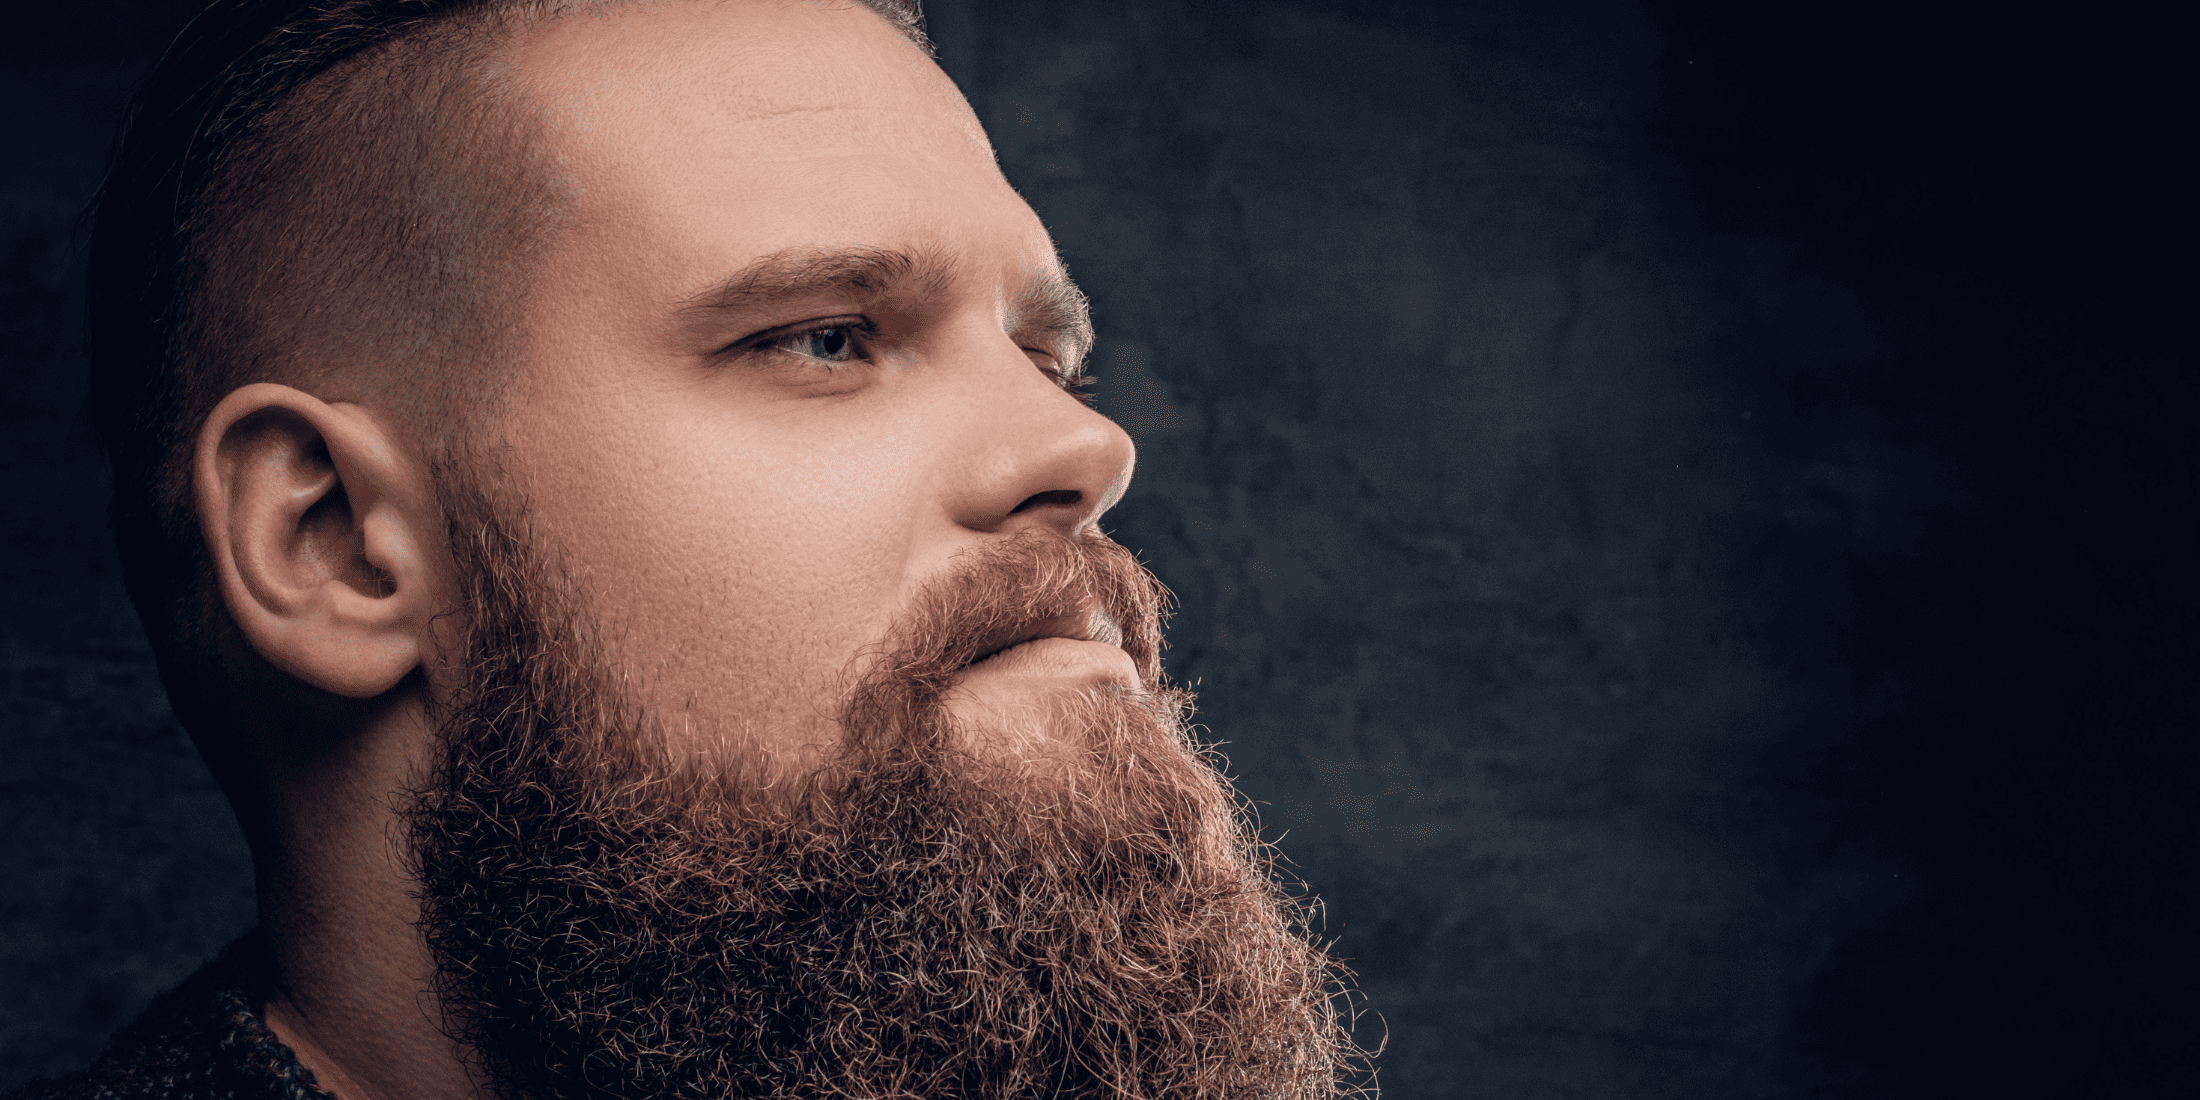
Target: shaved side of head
[
  {"x": 346, "y": 206},
  {"x": 350, "y": 198}
]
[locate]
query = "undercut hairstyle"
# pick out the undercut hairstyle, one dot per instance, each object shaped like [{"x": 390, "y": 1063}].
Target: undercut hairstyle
[{"x": 307, "y": 189}]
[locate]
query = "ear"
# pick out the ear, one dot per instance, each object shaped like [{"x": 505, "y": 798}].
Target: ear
[{"x": 318, "y": 525}]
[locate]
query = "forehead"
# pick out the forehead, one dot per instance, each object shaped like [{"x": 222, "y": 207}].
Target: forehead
[{"x": 707, "y": 133}]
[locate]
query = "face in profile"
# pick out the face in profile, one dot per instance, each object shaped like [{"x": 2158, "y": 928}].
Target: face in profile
[
  {"x": 796, "y": 347},
  {"x": 801, "y": 733}
]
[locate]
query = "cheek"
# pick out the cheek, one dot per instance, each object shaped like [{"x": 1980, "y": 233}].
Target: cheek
[{"x": 738, "y": 562}]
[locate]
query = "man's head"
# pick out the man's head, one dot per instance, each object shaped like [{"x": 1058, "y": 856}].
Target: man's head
[{"x": 628, "y": 456}]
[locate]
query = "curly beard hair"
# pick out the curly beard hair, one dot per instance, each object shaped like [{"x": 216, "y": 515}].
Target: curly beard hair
[{"x": 909, "y": 918}]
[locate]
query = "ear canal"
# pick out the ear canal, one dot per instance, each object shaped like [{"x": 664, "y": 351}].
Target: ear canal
[
  {"x": 336, "y": 533},
  {"x": 372, "y": 579}
]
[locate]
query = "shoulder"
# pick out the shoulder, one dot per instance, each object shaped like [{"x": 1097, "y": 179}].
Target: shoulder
[{"x": 202, "y": 1040}]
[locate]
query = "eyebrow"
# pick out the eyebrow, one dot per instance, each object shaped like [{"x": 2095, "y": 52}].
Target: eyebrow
[
  {"x": 1049, "y": 303},
  {"x": 798, "y": 272}
]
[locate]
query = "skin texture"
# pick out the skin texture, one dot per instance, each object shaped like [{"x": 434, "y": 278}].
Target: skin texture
[
  {"x": 745, "y": 519},
  {"x": 762, "y": 517}
]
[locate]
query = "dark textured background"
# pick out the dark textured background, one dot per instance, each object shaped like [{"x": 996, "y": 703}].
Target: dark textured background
[{"x": 1684, "y": 512}]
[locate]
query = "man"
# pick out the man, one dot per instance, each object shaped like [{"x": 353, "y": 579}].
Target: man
[{"x": 608, "y": 487}]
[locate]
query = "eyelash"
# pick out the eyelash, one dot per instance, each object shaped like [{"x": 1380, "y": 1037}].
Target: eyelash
[
  {"x": 861, "y": 330},
  {"x": 1072, "y": 379}
]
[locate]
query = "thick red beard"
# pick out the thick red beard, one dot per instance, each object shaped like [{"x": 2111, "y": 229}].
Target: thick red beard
[{"x": 907, "y": 920}]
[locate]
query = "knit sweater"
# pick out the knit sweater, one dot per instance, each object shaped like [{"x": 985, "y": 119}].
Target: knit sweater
[{"x": 203, "y": 1040}]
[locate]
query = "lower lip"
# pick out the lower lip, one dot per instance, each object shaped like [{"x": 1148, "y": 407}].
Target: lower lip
[{"x": 1058, "y": 658}]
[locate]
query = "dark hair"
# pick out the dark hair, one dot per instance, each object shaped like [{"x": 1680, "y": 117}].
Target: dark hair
[{"x": 256, "y": 204}]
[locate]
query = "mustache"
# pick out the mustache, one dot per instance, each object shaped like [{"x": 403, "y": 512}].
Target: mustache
[
  {"x": 1018, "y": 586},
  {"x": 1037, "y": 583}
]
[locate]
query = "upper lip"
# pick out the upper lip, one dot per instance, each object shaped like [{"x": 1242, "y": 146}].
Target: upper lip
[{"x": 1090, "y": 624}]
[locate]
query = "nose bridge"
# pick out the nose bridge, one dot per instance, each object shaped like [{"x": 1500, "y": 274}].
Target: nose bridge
[{"x": 1031, "y": 453}]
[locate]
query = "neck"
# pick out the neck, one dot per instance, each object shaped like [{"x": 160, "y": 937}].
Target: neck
[{"x": 352, "y": 976}]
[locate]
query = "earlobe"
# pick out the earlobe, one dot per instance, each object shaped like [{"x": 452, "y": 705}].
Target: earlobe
[{"x": 316, "y": 523}]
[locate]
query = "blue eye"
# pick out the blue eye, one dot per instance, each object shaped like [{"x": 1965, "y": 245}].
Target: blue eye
[{"x": 834, "y": 345}]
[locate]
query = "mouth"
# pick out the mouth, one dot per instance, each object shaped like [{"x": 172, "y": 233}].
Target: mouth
[{"x": 1092, "y": 625}]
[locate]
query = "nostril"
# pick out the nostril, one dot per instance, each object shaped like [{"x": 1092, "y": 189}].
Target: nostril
[{"x": 1068, "y": 498}]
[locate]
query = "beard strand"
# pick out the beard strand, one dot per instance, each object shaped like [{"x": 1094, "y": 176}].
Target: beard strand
[{"x": 911, "y": 918}]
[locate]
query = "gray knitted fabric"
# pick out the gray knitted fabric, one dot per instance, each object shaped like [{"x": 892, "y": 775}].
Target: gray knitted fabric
[{"x": 202, "y": 1040}]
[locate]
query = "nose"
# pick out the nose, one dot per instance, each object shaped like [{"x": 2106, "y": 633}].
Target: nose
[{"x": 1031, "y": 454}]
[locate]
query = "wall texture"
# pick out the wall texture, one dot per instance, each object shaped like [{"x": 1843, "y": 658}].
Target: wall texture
[{"x": 1684, "y": 517}]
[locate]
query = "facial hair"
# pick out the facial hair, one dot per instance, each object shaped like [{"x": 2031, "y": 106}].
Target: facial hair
[{"x": 912, "y": 917}]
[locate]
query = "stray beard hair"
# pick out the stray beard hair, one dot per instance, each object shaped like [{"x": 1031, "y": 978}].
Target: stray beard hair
[{"x": 908, "y": 918}]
